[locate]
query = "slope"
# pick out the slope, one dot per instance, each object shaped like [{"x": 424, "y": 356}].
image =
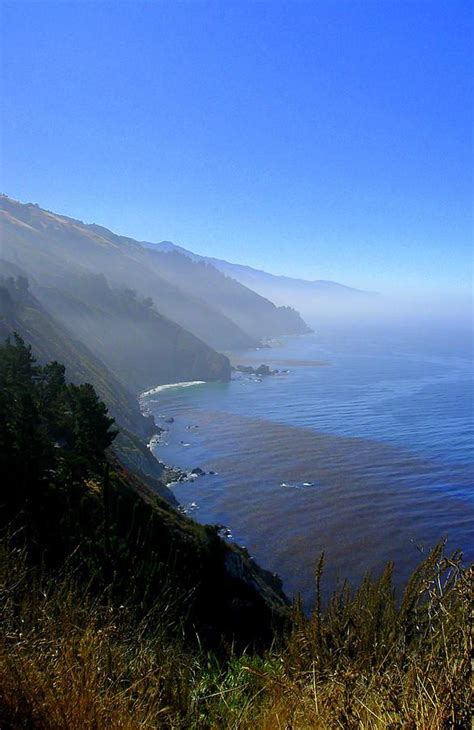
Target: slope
[
  {"x": 50, "y": 247},
  {"x": 318, "y": 300},
  {"x": 251, "y": 312},
  {"x": 21, "y": 312}
]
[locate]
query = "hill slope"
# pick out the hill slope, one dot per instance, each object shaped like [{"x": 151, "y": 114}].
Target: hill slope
[
  {"x": 21, "y": 312},
  {"x": 51, "y": 247},
  {"x": 143, "y": 348},
  {"x": 253, "y": 313},
  {"x": 315, "y": 299},
  {"x": 111, "y": 531}
]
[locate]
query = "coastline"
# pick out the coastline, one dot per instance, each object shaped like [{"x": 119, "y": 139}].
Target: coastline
[
  {"x": 169, "y": 386},
  {"x": 344, "y": 473}
]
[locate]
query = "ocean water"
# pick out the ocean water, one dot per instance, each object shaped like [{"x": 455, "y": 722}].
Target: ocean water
[{"x": 364, "y": 449}]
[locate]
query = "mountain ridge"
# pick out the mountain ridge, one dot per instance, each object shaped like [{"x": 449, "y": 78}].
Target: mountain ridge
[
  {"x": 319, "y": 300},
  {"x": 48, "y": 245},
  {"x": 223, "y": 265}
]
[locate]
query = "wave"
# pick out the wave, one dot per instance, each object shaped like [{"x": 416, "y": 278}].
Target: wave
[{"x": 168, "y": 386}]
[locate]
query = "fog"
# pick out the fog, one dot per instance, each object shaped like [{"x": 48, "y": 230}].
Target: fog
[{"x": 153, "y": 316}]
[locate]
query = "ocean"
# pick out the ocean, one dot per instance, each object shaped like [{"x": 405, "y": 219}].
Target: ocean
[{"x": 363, "y": 450}]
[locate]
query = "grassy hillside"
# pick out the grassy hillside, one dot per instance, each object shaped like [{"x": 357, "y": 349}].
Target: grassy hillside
[{"x": 68, "y": 660}]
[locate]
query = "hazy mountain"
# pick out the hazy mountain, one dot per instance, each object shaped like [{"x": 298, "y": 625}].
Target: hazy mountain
[
  {"x": 52, "y": 248},
  {"x": 143, "y": 348},
  {"x": 318, "y": 300},
  {"x": 253, "y": 313}
]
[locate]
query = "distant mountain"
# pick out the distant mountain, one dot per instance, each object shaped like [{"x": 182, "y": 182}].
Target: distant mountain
[
  {"x": 51, "y": 248},
  {"x": 318, "y": 299},
  {"x": 253, "y": 314}
]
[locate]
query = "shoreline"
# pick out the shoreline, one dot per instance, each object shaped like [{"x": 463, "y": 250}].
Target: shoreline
[{"x": 169, "y": 386}]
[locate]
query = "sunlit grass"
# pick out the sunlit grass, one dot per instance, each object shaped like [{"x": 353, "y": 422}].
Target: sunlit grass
[{"x": 365, "y": 661}]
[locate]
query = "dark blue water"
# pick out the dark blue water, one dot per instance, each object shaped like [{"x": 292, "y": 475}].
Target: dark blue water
[{"x": 364, "y": 449}]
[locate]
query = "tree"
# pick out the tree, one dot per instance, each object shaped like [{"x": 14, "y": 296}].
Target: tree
[
  {"x": 17, "y": 364},
  {"x": 91, "y": 425}
]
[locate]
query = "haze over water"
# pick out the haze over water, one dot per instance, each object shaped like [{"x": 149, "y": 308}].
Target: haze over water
[{"x": 377, "y": 424}]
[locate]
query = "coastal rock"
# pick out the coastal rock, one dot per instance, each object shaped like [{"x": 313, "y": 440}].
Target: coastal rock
[{"x": 262, "y": 370}]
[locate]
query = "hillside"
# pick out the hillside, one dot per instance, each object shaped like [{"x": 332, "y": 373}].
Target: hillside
[
  {"x": 110, "y": 529},
  {"x": 251, "y": 312},
  {"x": 51, "y": 248},
  {"x": 318, "y": 300},
  {"x": 21, "y": 312},
  {"x": 130, "y": 336}
]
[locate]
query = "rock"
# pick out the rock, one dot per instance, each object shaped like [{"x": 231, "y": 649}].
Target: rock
[
  {"x": 245, "y": 369},
  {"x": 262, "y": 370},
  {"x": 197, "y": 471},
  {"x": 169, "y": 420}
]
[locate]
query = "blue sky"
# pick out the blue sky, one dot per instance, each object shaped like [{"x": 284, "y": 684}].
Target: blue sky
[{"x": 323, "y": 139}]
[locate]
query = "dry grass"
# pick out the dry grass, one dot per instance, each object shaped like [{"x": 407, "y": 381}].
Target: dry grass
[{"x": 67, "y": 661}]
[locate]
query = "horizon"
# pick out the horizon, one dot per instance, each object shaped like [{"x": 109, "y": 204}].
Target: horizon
[{"x": 287, "y": 145}]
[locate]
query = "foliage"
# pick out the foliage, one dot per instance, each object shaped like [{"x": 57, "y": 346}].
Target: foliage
[
  {"x": 68, "y": 660},
  {"x": 48, "y": 426}
]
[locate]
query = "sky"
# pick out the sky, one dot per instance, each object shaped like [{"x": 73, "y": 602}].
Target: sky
[{"x": 328, "y": 139}]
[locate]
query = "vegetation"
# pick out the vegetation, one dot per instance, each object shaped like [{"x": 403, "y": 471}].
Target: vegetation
[
  {"x": 118, "y": 612},
  {"x": 69, "y": 661},
  {"x": 67, "y": 499}
]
